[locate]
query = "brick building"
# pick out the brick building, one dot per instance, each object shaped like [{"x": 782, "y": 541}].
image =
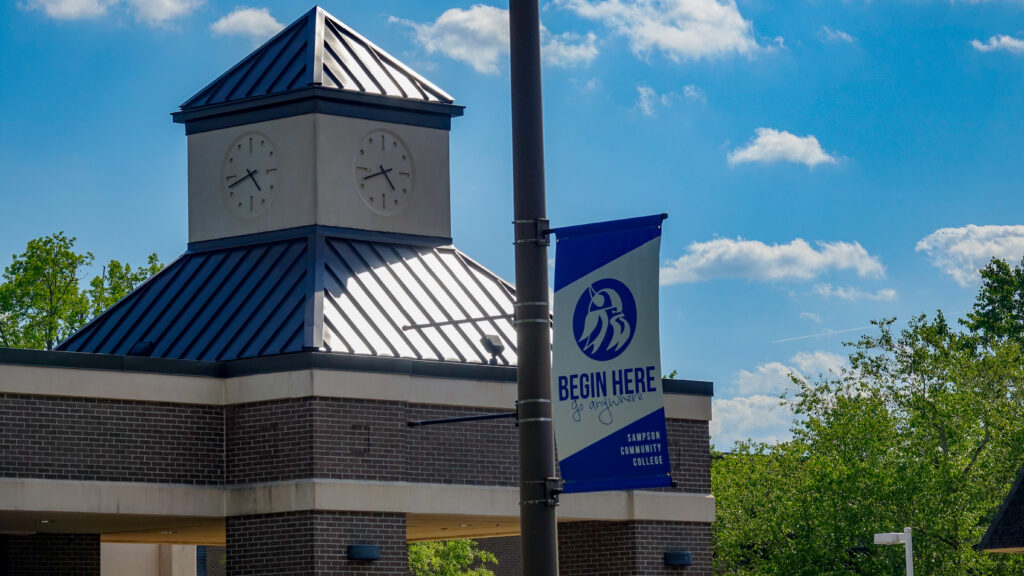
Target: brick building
[{"x": 255, "y": 394}]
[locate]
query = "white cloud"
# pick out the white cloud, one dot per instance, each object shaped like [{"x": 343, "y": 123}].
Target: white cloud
[
  {"x": 160, "y": 11},
  {"x": 816, "y": 318},
  {"x": 771, "y": 145},
  {"x": 479, "y": 36},
  {"x": 1000, "y": 42},
  {"x": 754, "y": 260},
  {"x": 648, "y": 99},
  {"x": 150, "y": 11},
  {"x": 835, "y": 35},
  {"x": 812, "y": 364},
  {"x": 774, "y": 377},
  {"x": 69, "y": 9},
  {"x": 757, "y": 413},
  {"x": 961, "y": 252},
  {"x": 758, "y": 417},
  {"x": 770, "y": 378},
  {"x": 681, "y": 29},
  {"x": 853, "y": 294},
  {"x": 694, "y": 93},
  {"x": 255, "y": 23},
  {"x": 568, "y": 50}
]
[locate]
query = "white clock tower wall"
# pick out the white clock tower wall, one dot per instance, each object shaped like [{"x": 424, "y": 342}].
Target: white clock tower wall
[
  {"x": 316, "y": 181},
  {"x": 293, "y": 203},
  {"x": 427, "y": 208}
]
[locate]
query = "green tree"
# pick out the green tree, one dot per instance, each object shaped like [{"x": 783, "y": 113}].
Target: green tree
[
  {"x": 926, "y": 429},
  {"x": 449, "y": 558},
  {"x": 117, "y": 280},
  {"x": 40, "y": 300}
]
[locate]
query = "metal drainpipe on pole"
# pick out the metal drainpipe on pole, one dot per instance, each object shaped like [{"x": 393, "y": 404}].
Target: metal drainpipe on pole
[{"x": 537, "y": 486}]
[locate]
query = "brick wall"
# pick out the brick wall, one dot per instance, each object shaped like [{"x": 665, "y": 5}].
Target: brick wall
[
  {"x": 369, "y": 440},
  {"x": 113, "y": 440},
  {"x": 268, "y": 441},
  {"x": 366, "y": 440},
  {"x": 690, "y": 455},
  {"x": 484, "y": 452},
  {"x": 315, "y": 543},
  {"x": 50, "y": 555},
  {"x": 655, "y": 538},
  {"x": 634, "y": 548},
  {"x": 89, "y": 439},
  {"x": 506, "y": 550}
]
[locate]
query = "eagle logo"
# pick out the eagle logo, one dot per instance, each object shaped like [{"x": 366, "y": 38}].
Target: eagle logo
[{"x": 605, "y": 319}]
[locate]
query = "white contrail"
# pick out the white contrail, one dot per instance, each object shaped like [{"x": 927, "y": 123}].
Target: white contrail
[{"x": 819, "y": 334}]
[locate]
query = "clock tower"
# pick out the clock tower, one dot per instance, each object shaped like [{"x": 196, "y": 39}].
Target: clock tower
[{"x": 319, "y": 126}]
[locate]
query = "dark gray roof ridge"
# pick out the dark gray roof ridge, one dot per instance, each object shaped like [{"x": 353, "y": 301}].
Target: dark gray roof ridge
[{"x": 318, "y": 50}]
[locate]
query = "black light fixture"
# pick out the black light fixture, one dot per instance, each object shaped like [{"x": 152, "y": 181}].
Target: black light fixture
[
  {"x": 678, "y": 558},
  {"x": 364, "y": 552}
]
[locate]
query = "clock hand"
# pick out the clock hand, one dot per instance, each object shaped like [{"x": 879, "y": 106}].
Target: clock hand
[
  {"x": 252, "y": 174},
  {"x": 240, "y": 180},
  {"x": 382, "y": 171},
  {"x": 385, "y": 173}
]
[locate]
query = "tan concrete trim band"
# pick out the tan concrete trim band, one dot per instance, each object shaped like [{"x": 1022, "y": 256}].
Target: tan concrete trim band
[
  {"x": 370, "y": 386},
  {"x": 686, "y": 407},
  {"x": 109, "y": 384},
  {"x": 148, "y": 387},
  {"x": 31, "y": 495},
  {"x": 412, "y": 498},
  {"x": 34, "y": 495}
]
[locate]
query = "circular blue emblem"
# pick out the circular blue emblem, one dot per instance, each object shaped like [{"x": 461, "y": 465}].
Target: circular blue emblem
[{"x": 605, "y": 319}]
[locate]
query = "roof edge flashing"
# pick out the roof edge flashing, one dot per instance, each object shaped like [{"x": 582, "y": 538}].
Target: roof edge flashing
[
  {"x": 317, "y": 100},
  {"x": 314, "y": 230},
  {"x": 291, "y": 362}
]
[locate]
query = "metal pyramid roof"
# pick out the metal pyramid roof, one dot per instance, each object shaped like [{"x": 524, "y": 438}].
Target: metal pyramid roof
[
  {"x": 1006, "y": 532},
  {"x": 318, "y": 50},
  {"x": 312, "y": 288}
]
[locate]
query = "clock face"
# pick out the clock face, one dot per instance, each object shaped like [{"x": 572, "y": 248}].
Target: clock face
[
  {"x": 249, "y": 176},
  {"x": 383, "y": 172}
]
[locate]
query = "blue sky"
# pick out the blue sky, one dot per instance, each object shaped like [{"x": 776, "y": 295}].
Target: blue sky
[{"x": 823, "y": 163}]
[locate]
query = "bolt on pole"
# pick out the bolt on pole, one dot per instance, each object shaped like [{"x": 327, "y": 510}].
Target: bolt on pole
[{"x": 539, "y": 536}]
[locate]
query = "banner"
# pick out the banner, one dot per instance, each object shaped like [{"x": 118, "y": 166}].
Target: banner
[{"x": 608, "y": 406}]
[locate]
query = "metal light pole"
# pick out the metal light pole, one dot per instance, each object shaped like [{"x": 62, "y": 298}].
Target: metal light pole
[
  {"x": 539, "y": 535},
  {"x": 906, "y": 538}
]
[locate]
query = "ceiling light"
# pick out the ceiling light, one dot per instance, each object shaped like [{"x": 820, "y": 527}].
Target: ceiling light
[{"x": 168, "y": 532}]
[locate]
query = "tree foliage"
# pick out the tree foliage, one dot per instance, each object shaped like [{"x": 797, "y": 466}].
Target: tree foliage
[
  {"x": 117, "y": 281},
  {"x": 41, "y": 299},
  {"x": 925, "y": 429},
  {"x": 449, "y": 558}
]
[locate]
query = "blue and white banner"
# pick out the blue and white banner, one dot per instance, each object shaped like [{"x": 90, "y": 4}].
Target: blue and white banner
[{"x": 606, "y": 369}]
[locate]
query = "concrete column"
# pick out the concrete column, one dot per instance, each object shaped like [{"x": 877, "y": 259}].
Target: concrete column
[
  {"x": 177, "y": 560},
  {"x": 315, "y": 542}
]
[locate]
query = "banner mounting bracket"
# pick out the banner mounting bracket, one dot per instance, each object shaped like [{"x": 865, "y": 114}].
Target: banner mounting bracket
[{"x": 532, "y": 231}]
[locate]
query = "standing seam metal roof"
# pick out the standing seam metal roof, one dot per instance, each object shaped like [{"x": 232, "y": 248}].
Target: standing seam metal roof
[
  {"x": 313, "y": 290},
  {"x": 318, "y": 50}
]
